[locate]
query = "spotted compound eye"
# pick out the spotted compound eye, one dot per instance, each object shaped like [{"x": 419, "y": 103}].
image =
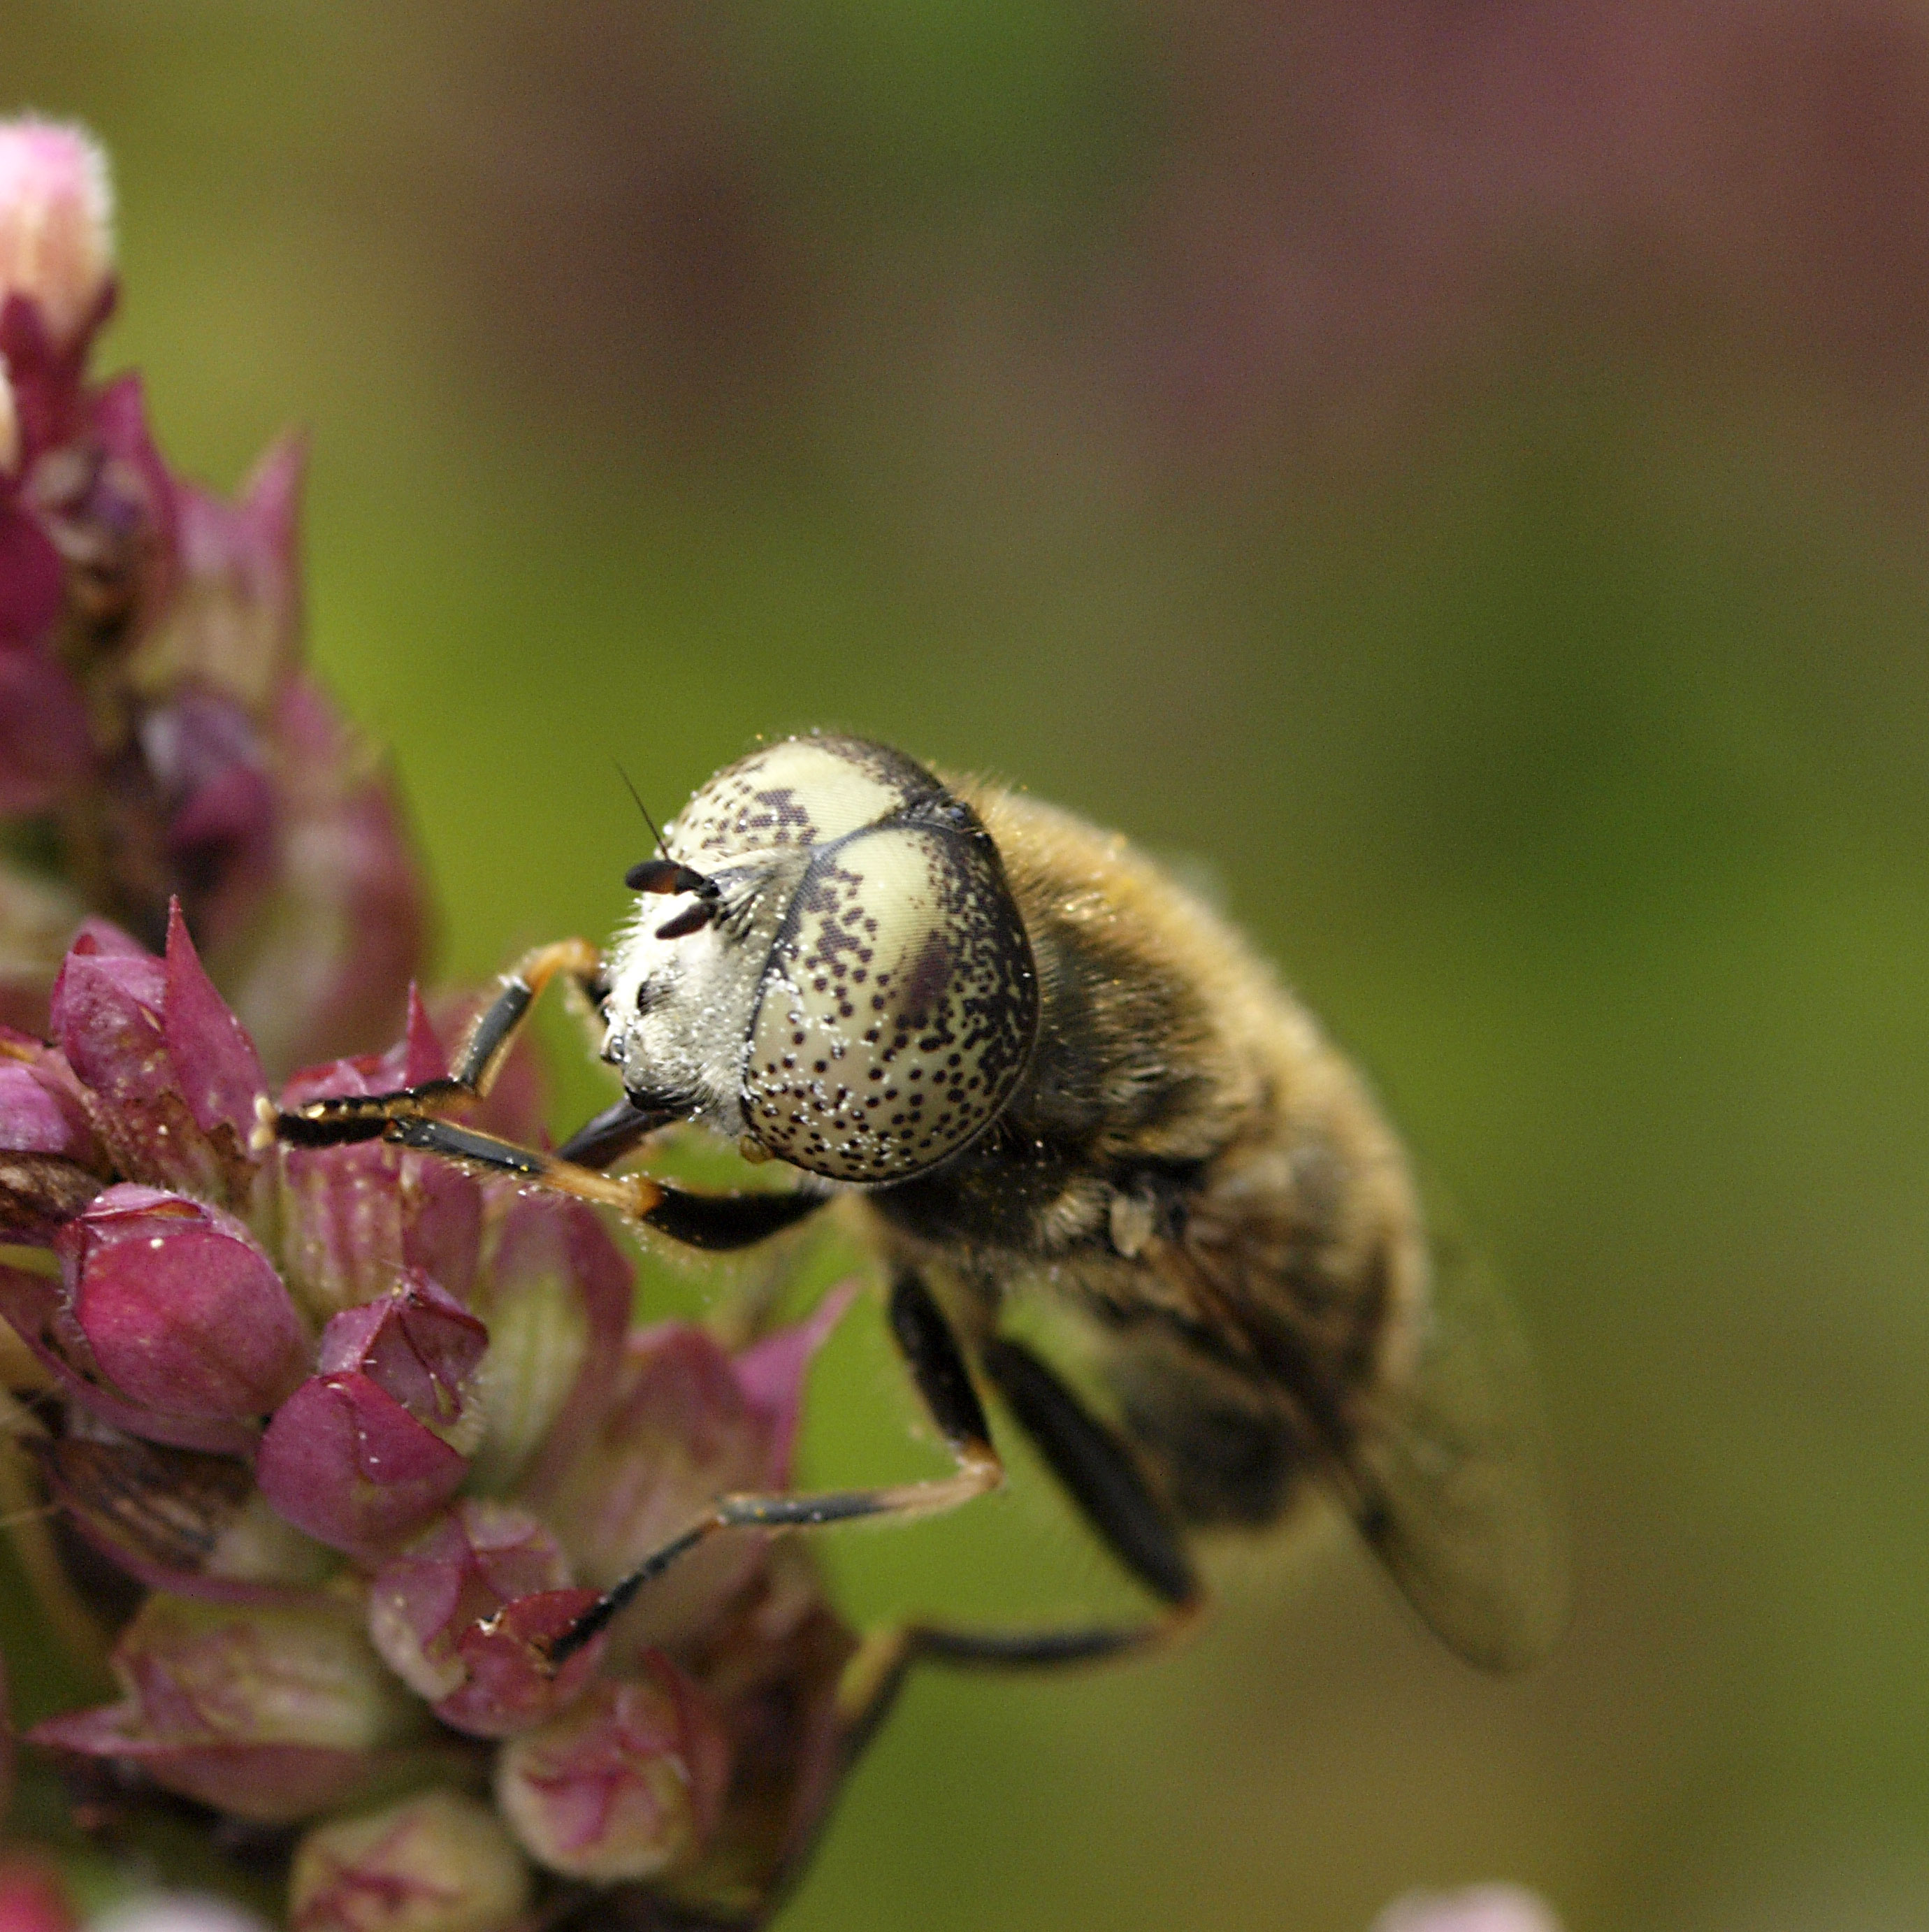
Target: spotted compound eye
[
  {"x": 898, "y": 1008},
  {"x": 797, "y": 795}
]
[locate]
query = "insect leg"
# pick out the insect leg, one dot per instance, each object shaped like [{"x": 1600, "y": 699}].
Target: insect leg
[
  {"x": 714, "y": 1222},
  {"x": 1100, "y": 1475},
  {"x": 635, "y": 1194},
  {"x": 1097, "y": 1470},
  {"x": 359, "y": 1117},
  {"x": 937, "y": 1367}
]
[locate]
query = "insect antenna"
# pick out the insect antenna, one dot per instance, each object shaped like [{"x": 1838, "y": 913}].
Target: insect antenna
[
  {"x": 656, "y": 833},
  {"x": 662, "y": 874}
]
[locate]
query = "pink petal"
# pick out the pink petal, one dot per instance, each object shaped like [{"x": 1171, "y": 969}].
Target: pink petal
[
  {"x": 426, "y": 1060},
  {"x": 771, "y": 1374},
  {"x": 40, "y": 1112},
  {"x": 271, "y": 1783},
  {"x": 215, "y": 1066},
  {"x": 56, "y": 217},
  {"x": 626, "y": 1784}
]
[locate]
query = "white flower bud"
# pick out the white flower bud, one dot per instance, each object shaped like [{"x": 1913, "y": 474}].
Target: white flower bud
[{"x": 56, "y": 215}]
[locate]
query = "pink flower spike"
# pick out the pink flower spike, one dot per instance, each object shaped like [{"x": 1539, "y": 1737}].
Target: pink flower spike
[
  {"x": 180, "y": 1307},
  {"x": 56, "y": 215},
  {"x": 626, "y": 1784}
]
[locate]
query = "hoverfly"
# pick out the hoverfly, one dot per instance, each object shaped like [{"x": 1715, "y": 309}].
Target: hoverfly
[{"x": 1044, "y": 1067}]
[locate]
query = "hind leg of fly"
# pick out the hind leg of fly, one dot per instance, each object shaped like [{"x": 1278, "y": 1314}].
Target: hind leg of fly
[{"x": 1094, "y": 1466}]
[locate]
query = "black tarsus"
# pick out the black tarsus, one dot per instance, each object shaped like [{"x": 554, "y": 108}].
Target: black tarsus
[
  {"x": 1103, "y": 1482},
  {"x": 428, "y": 1135}
]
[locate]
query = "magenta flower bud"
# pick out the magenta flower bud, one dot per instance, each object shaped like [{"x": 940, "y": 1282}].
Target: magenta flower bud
[
  {"x": 179, "y": 1306},
  {"x": 463, "y": 1615},
  {"x": 346, "y": 1463},
  {"x": 269, "y": 1714},
  {"x": 51, "y": 1162},
  {"x": 686, "y": 1425},
  {"x": 56, "y": 214},
  {"x": 234, "y": 625},
  {"x": 176, "y": 1074},
  {"x": 42, "y": 1108},
  {"x": 627, "y": 1783},
  {"x": 417, "y": 1344},
  {"x": 440, "y": 1862},
  {"x": 367, "y": 1449}
]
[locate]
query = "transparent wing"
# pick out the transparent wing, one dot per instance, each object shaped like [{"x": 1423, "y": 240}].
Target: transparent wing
[{"x": 1449, "y": 1473}]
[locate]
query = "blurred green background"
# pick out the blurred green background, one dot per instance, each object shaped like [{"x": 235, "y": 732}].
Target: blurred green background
[{"x": 1457, "y": 472}]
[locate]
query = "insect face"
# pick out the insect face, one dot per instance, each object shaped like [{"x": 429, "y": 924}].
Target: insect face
[{"x": 827, "y": 960}]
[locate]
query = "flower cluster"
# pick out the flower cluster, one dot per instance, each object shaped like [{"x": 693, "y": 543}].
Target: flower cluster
[
  {"x": 372, "y": 1433},
  {"x": 354, "y": 1436},
  {"x": 158, "y": 736}
]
